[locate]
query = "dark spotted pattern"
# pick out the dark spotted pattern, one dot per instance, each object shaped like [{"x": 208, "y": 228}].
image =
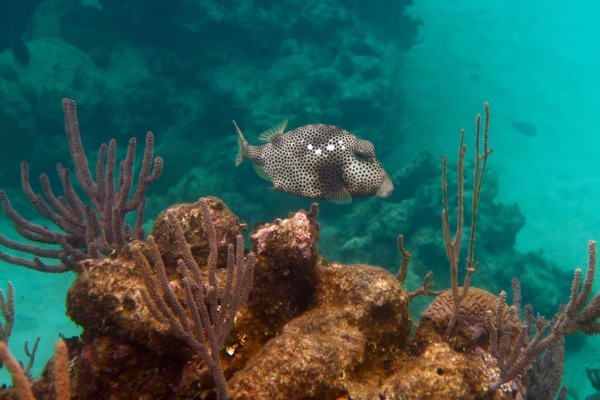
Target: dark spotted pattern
[{"x": 320, "y": 161}]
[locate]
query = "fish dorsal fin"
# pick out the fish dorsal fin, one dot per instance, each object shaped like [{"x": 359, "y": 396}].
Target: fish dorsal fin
[
  {"x": 341, "y": 196},
  {"x": 267, "y": 135},
  {"x": 261, "y": 172}
]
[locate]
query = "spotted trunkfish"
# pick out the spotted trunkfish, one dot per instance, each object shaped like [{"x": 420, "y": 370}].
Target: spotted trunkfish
[{"x": 317, "y": 161}]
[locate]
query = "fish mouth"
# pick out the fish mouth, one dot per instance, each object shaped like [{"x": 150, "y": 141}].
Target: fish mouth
[{"x": 386, "y": 189}]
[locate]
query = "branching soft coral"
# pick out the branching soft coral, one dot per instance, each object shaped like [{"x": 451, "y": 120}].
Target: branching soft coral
[{"x": 88, "y": 229}]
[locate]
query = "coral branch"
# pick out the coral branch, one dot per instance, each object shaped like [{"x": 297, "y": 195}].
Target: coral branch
[
  {"x": 7, "y": 308},
  {"x": 30, "y": 354},
  {"x": 20, "y": 379},
  {"x": 86, "y": 229},
  {"x": 425, "y": 289},
  {"x": 62, "y": 379},
  {"x": 453, "y": 244},
  {"x": 212, "y": 309},
  {"x": 403, "y": 271},
  {"x": 516, "y": 355}
]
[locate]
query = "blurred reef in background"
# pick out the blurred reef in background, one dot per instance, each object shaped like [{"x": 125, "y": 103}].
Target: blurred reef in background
[{"x": 187, "y": 68}]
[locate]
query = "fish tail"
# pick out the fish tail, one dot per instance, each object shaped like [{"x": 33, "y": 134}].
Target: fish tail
[{"x": 242, "y": 143}]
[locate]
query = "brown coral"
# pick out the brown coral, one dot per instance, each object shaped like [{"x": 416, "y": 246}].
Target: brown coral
[
  {"x": 225, "y": 222},
  {"x": 350, "y": 322},
  {"x": 439, "y": 373},
  {"x": 471, "y": 329}
]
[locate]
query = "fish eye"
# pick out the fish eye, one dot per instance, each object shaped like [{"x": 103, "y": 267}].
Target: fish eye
[{"x": 361, "y": 155}]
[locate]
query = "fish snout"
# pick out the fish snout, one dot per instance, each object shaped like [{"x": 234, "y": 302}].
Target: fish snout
[{"x": 386, "y": 189}]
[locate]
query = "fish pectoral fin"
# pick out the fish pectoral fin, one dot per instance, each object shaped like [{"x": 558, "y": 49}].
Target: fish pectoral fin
[
  {"x": 341, "y": 196},
  {"x": 241, "y": 142},
  {"x": 267, "y": 135},
  {"x": 261, "y": 172}
]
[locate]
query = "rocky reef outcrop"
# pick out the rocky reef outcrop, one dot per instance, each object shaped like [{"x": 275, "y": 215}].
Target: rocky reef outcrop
[{"x": 312, "y": 329}]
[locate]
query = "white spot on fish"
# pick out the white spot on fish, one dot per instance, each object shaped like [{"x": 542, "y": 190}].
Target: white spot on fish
[
  {"x": 318, "y": 151},
  {"x": 330, "y": 147},
  {"x": 310, "y": 147}
]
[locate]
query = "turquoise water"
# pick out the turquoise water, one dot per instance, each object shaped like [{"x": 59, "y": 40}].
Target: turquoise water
[
  {"x": 535, "y": 62},
  {"x": 186, "y": 70}
]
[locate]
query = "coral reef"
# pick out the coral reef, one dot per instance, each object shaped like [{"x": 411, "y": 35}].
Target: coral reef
[
  {"x": 306, "y": 318},
  {"x": 157, "y": 314},
  {"x": 415, "y": 212},
  {"x": 170, "y": 317},
  {"x": 311, "y": 328}
]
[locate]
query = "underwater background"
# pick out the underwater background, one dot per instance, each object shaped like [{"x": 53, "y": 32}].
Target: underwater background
[{"x": 405, "y": 75}]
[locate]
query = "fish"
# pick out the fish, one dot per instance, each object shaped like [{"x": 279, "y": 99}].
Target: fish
[
  {"x": 525, "y": 128},
  {"x": 316, "y": 161}
]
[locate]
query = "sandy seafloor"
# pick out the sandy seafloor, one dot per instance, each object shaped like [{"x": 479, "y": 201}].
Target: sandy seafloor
[{"x": 537, "y": 63}]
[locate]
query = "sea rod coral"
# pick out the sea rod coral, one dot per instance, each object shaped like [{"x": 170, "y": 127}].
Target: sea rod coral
[
  {"x": 60, "y": 373},
  {"x": 94, "y": 228},
  {"x": 213, "y": 309}
]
